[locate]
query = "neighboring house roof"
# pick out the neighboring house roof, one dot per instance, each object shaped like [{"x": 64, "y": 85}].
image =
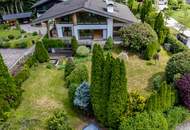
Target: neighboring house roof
[
  {"x": 40, "y": 2},
  {"x": 121, "y": 12},
  {"x": 17, "y": 16}
]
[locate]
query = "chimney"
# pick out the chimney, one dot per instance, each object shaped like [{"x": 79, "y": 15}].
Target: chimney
[{"x": 110, "y": 6}]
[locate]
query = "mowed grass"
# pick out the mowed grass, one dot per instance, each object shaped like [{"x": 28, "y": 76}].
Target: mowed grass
[
  {"x": 44, "y": 93},
  {"x": 141, "y": 72},
  {"x": 182, "y": 16}
]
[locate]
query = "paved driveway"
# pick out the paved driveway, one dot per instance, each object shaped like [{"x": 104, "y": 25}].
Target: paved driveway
[
  {"x": 12, "y": 56},
  {"x": 30, "y": 29}
]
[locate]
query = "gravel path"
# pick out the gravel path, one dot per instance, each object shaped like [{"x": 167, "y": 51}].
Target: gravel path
[{"x": 184, "y": 126}]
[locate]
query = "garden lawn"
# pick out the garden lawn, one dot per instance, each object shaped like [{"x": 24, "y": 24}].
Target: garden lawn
[
  {"x": 141, "y": 72},
  {"x": 182, "y": 16},
  {"x": 6, "y": 33},
  {"x": 44, "y": 92}
]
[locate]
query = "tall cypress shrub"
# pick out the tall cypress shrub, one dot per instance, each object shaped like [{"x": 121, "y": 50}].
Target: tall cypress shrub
[
  {"x": 9, "y": 93},
  {"x": 41, "y": 53},
  {"x": 97, "y": 81},
  {"x": 118, "y": 93},
  {"x": 145, "y": 10}
]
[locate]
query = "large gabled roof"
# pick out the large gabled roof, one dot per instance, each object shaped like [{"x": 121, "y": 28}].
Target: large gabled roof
[
  {"x": 121, "y": 12},
  {"x": 40, "y": 2}
]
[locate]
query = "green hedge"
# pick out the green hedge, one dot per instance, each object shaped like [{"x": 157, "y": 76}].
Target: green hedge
[
  {"x": 151, "y": 50},
  {"x": 53, "y": 43},
  {"x": 173, "y": 45}
]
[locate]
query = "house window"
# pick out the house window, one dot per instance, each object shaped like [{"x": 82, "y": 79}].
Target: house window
[{"x": 67, "y": 31}]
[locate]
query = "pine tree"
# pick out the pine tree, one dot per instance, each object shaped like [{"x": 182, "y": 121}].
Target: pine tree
[
  {"x": 106, "y": 87},
  {"x": 9, "y": 93},
  {"x": 74, "y": 45},
  {"x": 159, "y": 27},
  {"x": 118, "y": 93},
  {"x": 145, "y": 10},
  {"x": 130, "y": 4},
  {"x": 97, "y": 81},
  {"x": 69, "y": 67},
  {"x": 41, "y": 53}
]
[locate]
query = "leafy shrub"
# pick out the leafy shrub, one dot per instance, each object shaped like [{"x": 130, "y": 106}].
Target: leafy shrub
[
  {"x": 41, "y": 53},
  {"x": 177, "y": 64},
  {"x": 72, "y": 90},
  {"x": 4, "y": 26},
  {"x": 22, "y": 31},
  {"x": 82, "y": 97},
  {"x": 138, "y": 36},
  {"x": 78, "y": 75},
  {"x": 53, "y": 43},
  {"x": 82, "y": 51},
  {"x": 69, "y": 67},
  {"x": 49, "y": 66},
  {"x": 59, "y": 121},
  {"x": 175, "y": 116},
  {"x": 34, "y": 34},
  {"x": 22, "y": 75},
  {"x": 4, "y": 44},
  {"x": 173, "y": 45},
  {"x": 157, "y": 81},
  {"x": 151, "y": 50},
  {"x": 74, "y": 45},
  {"x": 145, "y": 121},
  {"x": 136, "y": 103},
  {"x": 162, "y": 100},
  {"x": 31, "y": 61},
  {"x": 109, "y": 44},
  {"x": 22, "y": 44},
  {"x": 11, "y": 37},
  {"x": 183, "y": 85}
]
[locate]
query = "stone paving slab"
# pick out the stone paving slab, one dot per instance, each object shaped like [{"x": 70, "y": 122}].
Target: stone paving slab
[
  {"x": 184, "y": 126},
  {"x": 11, "y": 56}
]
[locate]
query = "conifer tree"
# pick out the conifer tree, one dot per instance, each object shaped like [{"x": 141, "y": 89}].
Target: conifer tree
[
  {"x": 118, "y": 93},
  {"x": 97, "y": 81},
  {"x": 130, "y": 4},
  {"x": 41, "y": 53},
  {"x": 145, "y": 10},
  {"x": 9, "y": 93},
  {"x": 159, "y": 27}
]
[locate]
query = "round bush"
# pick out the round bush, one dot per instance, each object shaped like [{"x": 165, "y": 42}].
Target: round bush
[
  {"x": 11, "y": 37},
  {"x": 138, "y": 36},
  {"x": 145, "y": 121},
  {"x": 178, "y": 64},
  {"x": 83, "y": 51},
  {"x": 59, "y": 122}
]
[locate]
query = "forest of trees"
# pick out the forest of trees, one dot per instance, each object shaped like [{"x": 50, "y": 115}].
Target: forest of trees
[{"x": 15, "y": 6}]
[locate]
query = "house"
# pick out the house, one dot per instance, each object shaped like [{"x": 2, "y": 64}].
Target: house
[
  {"x": 161, "y": 4},
  {"x": 87, "y": 20},
  {"x": 20, "y": 17},
  {"x": 42, "y": 6}
]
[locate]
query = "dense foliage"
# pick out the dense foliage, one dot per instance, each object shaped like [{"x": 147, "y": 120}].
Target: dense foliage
[
  {"x": 118, "y": 93},
  {"x": 41, "y": 53},
  {"x": 145, "y": 121},
  {"x": 59, "y": 121},
  {"x": 83, "y": 51},
  {"x": 10, "y": 94},
  {"x": 178, "y": 64},
  {"x": 173, "y": 45},
  {"x": 78, "y": 75},
  {"x": 22, "y": 75},
  {"x": 138, "y": 36},
  {"x": 183, "y": 85},
  {"x": 145, "y": 10},
  {"x": 109, "y": 44},
  {"x": 151, "y": 50},
  {"x": 176, "y": 116},
  {"x": 162, "y": 100},
  {"x": 69, "y": 67},
  {"x": 82, "y": 97},
  {"x": 96, "y": 89},
  {"x": 71, "y": 92},
  {"x": 74, "y": 45},
  {"x": 53, "y": 43}
]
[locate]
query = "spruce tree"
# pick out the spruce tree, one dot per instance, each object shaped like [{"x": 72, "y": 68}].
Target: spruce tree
[
  {"x": 118, "y": 93},
  {"x": 41, "y": 53},
  {"x": 159, "y": 27},
  {"x": 97, "y": 81},
  {"x": 145, "y": 10},
  {"x": 9, "y": 93}
]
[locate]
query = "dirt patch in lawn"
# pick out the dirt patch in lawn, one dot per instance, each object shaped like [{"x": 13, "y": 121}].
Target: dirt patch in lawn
[{"x": 47, "y": 103}]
